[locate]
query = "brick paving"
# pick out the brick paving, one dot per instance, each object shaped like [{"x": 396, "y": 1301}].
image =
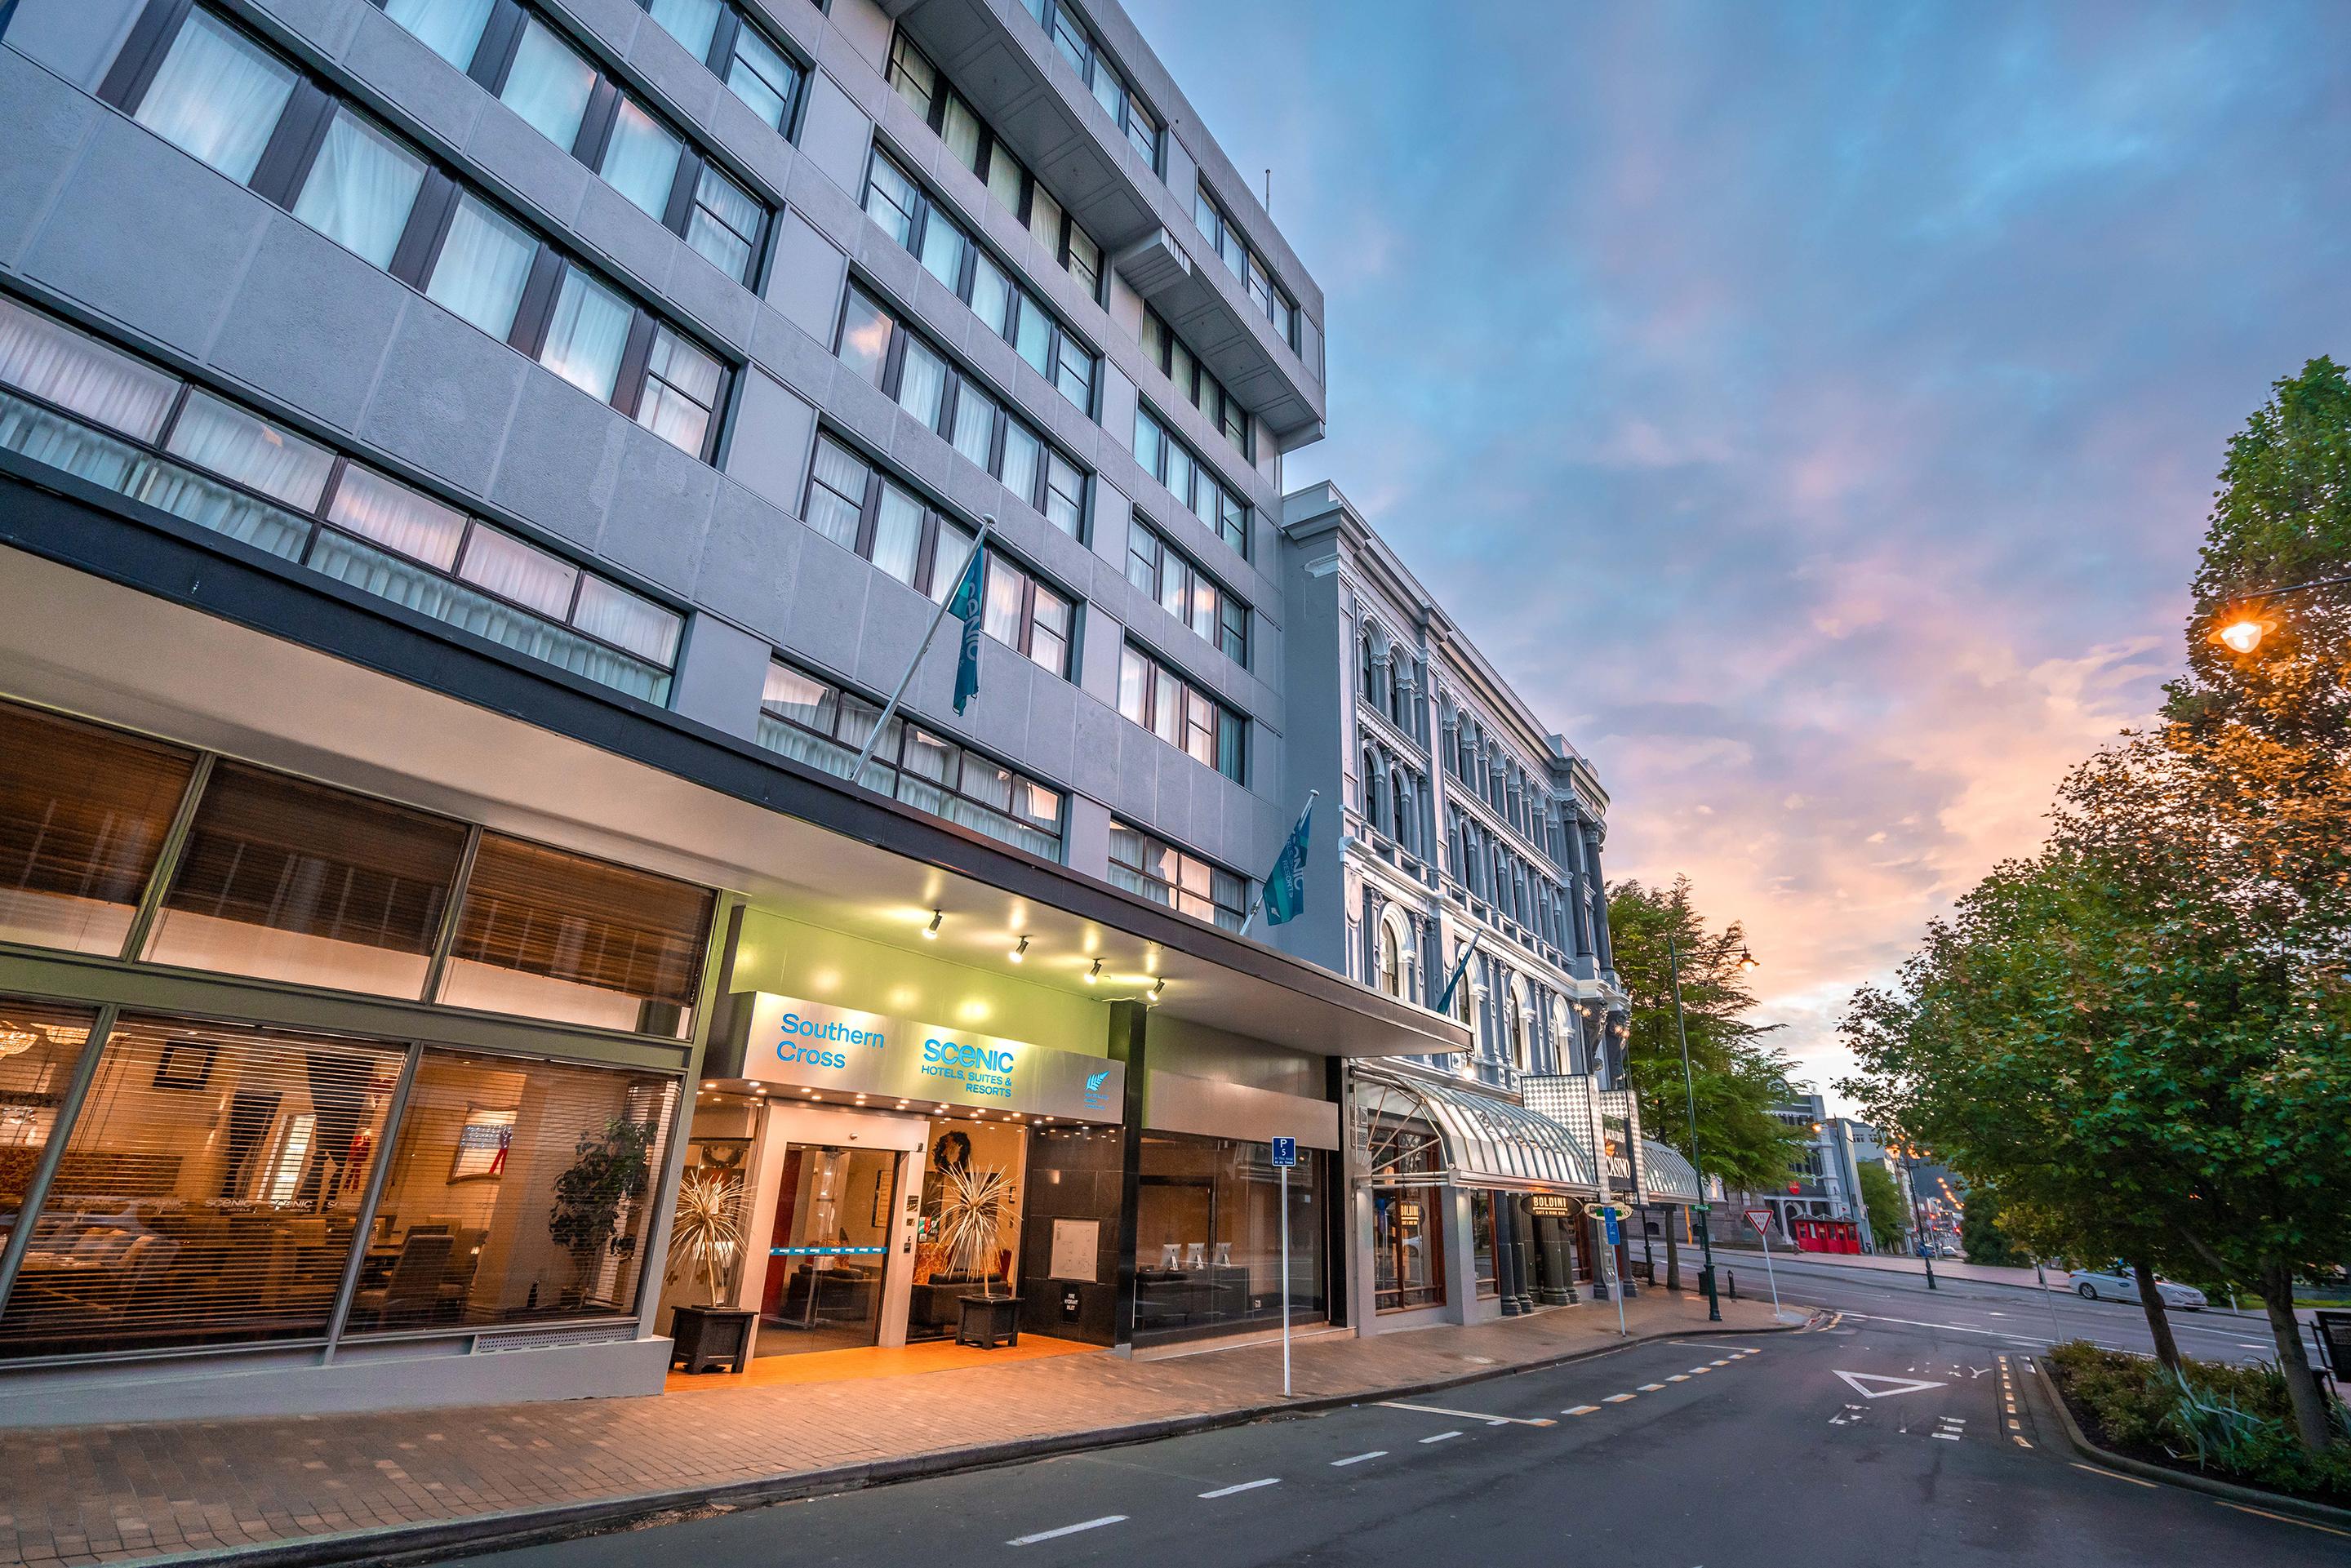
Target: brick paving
[{"x": 165, "y": 1491}]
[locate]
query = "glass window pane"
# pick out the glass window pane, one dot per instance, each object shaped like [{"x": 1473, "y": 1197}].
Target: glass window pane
[
  {"x": 1167, "y": 707},
  {"x": 942, "y": 248},
  {"x": 897, "y": 533},
  {"x": 1150, "y": 442},
  {"x": 54, "y": 362},
  {"x": 587, "y": 334},
  {"x": 1035, "y": 338},
  {"x": 1179, "y": 474},
  {"x": 890, "y": 200},
  {"x": 556, "y": 936},
  {"x": 1204, "y": 496},
  {"x": 1133, "y": 689},
  {"x": 761, "y": 77},
  {"x": 40, "y": 1046},
  {"x": 1045, "y": 219},
  {"x": 1075, "y": 376},
  {"x": 975, "y": 424},
  {"x": 1230, "y": 735},
  {"x": 237, "y": 447},
  {"x": 641, "y": 159},
  {"x": 690, "y": 22},
  {"x": 837, "y": 496},
  {"x": 515, "y": 1191},
  {"x": 960, "y": 130},
  {"x": 548, "y": 84},
  {"x": 928, "y": 757},
  {"x": 991, "y": 292},
  {"x": 725, "y": 225},
  {"x": 1234, "y": 633},
  {"x": 1023, "y": 456},
  {"x": 361, "y": 189},
  {"x": 1174, "y": 584},
  {"x": 1049, "y": 632},
  {"x": 1065, "y": 495},
  {"x": 1232, "y": 520},
  {"x": 217, "y": 95},
  {"x": 865, "y": 336},
  {"x": 1085, "y": 260},
  {"x": 1204, "y": 214},
  {"x": 1001, "y": 617},
  {"x": 209, "y": 1192},
  {"x": 1109, "y": 92},
  {"x": 922, "y": 378},
  {"x": 628, "y": 621},
  {"x": 1200, "y": 729},
  {"x": 1143, "y": 559},
  {"x": 681, "y": 392},
  {"x": 450, "y": 28},
  {"x": 1004, "y": 178},
  {"x": 83, "y": 812},
  {"x": 524, "y": 573},
  {"x": 913, "y": 77},
  {"x": 1070, "y": 37},
  {"x": 292, "y": 881},
  {"x": 802, "y": 698},
  {"x": 483, "y": 266},
  {"x": 1205, "y": 600},
  {"x": 375, "y": 508},
  {"x": 1142, "y": 134},
  {"x": 949, "y": 557}
]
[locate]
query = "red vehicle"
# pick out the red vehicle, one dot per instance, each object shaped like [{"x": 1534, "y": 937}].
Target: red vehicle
[{"x": 1817, "y": 1235}]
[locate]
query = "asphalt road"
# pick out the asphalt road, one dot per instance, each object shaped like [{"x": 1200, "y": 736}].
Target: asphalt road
[{"x": 1724, "y": 1452}]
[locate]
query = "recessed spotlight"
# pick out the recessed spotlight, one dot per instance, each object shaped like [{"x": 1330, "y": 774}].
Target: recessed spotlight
[
  {"x": 931, "y": 932},
  {"x": 1094, "y": 976},
  {"x": 1159, "y": 989},
  {"x": 1020, "y": 951}
]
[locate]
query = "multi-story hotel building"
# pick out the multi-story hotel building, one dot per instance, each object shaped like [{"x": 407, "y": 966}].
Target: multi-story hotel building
[{"x": 472, "y": 471}]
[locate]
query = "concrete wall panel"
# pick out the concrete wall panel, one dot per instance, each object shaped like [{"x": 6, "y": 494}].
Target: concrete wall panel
[
  {"x": 770, "y": 448},
  {"x": 303, "y": 293},
  {"x": 660, "y": 511},
  {"x": 804, "y": 278},
  {"x": 445, "y": 396}
]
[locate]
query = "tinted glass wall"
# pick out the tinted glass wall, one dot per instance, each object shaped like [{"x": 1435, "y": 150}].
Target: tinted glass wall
[{"x": 1209, "y": 1237}]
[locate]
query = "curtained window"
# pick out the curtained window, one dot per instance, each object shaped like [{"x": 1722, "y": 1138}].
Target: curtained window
[
  {"x": 218, "y": 97},
  {"x": 361, "y": 189}
]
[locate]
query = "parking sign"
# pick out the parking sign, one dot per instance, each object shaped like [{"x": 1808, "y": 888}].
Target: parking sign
[{"x": 1285, "y": 1153}]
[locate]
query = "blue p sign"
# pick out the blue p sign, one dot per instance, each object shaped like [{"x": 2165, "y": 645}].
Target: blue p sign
[
  {"x": 1609, "y": 1215},
  {"x": 1285, "y": 1152}
]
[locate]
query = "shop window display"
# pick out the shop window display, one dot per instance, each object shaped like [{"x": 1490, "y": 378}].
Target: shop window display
[
  {"x": 1407, "y": 1217},
  {"x": 1209, "y": 1237},
  {"x": 973, "y": 1145}
]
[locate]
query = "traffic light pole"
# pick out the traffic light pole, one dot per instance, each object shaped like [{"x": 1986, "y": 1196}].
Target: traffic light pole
[{"x": 1689, "y": 1092}]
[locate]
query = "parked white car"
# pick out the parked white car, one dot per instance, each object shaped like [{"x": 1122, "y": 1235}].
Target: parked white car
[{"x": 2118, "y": 1284}]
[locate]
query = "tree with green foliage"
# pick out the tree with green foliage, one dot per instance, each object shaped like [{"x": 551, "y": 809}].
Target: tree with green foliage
[
  {"x": 1981, "y": 1237},
  {"x": 1734, "y": 1078},
  {"x": 1881, "y": 1200}
]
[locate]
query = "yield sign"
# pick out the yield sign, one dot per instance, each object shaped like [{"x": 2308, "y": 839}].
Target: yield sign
[{"x": 1888, "y": 1387}]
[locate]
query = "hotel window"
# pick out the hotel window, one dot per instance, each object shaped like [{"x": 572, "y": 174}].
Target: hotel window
[
  {"x": 547, "y": 933},
  {"x": 588, "y": 113},
  {"x": 209, "y": 1190},
  {"x": 480, "y": 1223},
  {"x": 1076, "y": 41},
  {"x": 876, "y": 344},
  {"x": 1187, "y": 592},
  {"x": 83, "y": 814},
  {"x": 976, "y": 146},
  {"x": 859, "y": 508},
  {"x": 1158, "y": 871},
  {"x": 919, "y": 223},
  {"x": 1193, "y": 381},
  {"x": 78, "y": 405},
  {"x": 1191, "y": 481},
  {"x": 1267, "y": 296},
  {"x": 1178, "y": 713},
  {"x": 817, "y": 723},
  {"x": 374, "y": 194}
]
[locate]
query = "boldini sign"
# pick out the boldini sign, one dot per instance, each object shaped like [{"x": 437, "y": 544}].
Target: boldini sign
[{"x": 820, "y": 1046}]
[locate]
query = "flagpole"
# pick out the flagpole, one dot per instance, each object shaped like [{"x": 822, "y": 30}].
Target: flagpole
[
  {"x": 890, "y": 709},
  {"x": 1258, "y": 902},
  {"x": 1445, "y": 1002}
]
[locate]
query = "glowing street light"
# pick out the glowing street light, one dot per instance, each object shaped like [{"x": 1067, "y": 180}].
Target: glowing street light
[
  {"x": 2242, "y": 636},
  {"x": 2244, "y": 632}
]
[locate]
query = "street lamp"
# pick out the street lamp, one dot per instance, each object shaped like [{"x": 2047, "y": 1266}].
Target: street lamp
[
  {"x": 2245, "y": 633},
  {"x": 1690, "y": 1093}
]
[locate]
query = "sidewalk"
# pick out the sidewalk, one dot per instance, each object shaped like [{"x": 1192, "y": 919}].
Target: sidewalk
[
  {"x": 1944, "y": 1269},
  {"x": 353, "y": 1487}
]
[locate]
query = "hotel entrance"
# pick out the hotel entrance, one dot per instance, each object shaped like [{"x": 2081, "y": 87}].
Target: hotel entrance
[{"x": 829, "y": 1250}]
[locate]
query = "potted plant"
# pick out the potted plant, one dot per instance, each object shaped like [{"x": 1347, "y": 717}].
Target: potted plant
[
  {"x": 974, "y": 1209},
  {"x": 706, "y": 1241},
  {"x": 611, "y": 1170}
]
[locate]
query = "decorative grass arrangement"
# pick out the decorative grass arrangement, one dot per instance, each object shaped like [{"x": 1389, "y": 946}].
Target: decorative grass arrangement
[
  {"x": 707, "y": 1232},
  {"x": 974, "y": 1209}
]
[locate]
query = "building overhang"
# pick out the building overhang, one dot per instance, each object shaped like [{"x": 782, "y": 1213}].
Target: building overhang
[
  {"x": 1488, "y": 1141},
  {"x": 116, "y": 610}
]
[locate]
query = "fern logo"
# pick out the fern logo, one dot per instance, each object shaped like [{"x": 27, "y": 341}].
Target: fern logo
[{"x": 1095, "y": 1095}]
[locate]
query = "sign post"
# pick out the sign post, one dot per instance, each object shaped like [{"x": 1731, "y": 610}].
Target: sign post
[
  {"x": 1285, "y": 1156},
  {"x": 1761, "y": 1219},
  {"x": 1616, "y": 1280}
]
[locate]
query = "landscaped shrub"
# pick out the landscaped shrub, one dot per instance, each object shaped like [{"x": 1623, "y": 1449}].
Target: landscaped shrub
[{"x": 2233, "y": 1422}]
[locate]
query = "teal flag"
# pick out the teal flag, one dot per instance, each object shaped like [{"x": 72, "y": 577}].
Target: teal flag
[
  {"x": 1285, "y": 887},
  {"x": 965, "y": 606}
]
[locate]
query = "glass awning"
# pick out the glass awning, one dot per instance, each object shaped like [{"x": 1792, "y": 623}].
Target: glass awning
[
  {"x": 1666, "y": 1176},
  {"x": 1481, "y": 1140}
]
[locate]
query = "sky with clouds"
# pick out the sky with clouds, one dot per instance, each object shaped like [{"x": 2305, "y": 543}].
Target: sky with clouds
[{"x": 1814, "y": 409}]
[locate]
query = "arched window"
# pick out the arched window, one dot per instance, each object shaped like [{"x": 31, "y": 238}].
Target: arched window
[
  {"x": 1399, "y": 803},
  {"x": 1365, "y": 687},
  {"x": 1371, "y": 787},
  {"x": 1390, "y": 960},
  {"x": 1396, "y": 697},
  {"x": 1516, "y": 1022}
]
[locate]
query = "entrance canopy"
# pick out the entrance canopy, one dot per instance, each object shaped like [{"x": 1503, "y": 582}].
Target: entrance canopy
[
  {"x": 1666, "y": 1176},
  {"x": 1483, "y": 1140}
]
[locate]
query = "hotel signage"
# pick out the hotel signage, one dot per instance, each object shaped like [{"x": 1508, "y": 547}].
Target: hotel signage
[{"x": 819, "y": 1046}]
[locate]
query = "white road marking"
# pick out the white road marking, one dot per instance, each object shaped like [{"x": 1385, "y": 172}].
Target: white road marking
[
  {"x": 1359, "y": 1459},
  {"x": 1580, "y": 1410},
  {"x": 1653, "y": 1388},
  {"x": 1066, "y": 1529},
  {"x": 1700, "y": 1371},
  {"x": 1678, "y": 1377},
  {"x": 2282, "y": 1518},
  {"x": 1619, "y": 1398},
  {"x": 1949, "y": 1437},
  {"x": 1724, "y": 1362},
  {"x": 1853, "y": 1380},
  {"x": 1471, "y": 1415},
  {"x": 1245, "y": 1486},
  {"x": 1440, "y": 1436}
]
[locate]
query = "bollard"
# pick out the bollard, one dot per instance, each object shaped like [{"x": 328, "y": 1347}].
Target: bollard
[{"x": 1734, "y": 1282}]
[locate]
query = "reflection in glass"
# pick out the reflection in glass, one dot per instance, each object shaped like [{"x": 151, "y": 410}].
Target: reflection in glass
[{"x": 83, "y": 812}]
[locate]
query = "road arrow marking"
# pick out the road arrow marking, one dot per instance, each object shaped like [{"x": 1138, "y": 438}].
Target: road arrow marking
[{"x": 1854, "y": 1380}]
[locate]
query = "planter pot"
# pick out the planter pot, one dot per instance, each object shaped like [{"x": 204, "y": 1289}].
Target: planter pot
[
  {"x": 988, "y": 1321},
  {"x": 705, "y": 1338}
]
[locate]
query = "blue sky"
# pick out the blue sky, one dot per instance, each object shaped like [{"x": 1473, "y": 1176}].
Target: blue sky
[{"x": 1814, "y": 409}]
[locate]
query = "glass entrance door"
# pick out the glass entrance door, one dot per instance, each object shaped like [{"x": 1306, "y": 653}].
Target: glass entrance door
[{"x": 830, "y": 1250}]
